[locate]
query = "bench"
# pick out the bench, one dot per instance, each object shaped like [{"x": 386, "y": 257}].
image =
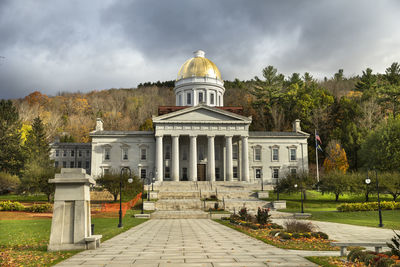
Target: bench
[
  {"x": 93, "y": 242},
  {"x": 343, "y": 245}
]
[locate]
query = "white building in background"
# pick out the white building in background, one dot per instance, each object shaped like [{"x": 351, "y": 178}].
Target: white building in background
[{"x": 199, "y": 139}]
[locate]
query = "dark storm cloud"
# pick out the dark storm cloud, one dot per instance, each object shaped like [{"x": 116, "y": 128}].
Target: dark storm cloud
[{"x": 82, "y": 45}]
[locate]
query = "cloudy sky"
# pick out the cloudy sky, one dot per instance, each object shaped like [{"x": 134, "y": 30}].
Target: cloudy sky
[{"x": 58, "y": 45}]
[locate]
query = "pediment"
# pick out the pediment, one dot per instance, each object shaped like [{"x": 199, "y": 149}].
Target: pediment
[{"x": 201, "y": 114}]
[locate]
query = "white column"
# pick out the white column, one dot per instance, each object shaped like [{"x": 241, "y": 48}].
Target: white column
[
  {"x": 211, "y": 159},
  {"x": 175, "y": 158},
  {"x": 229, "y": 164},
  {"x": 159, "y": 158},
  {"x": 193, "y": 158},
  {"x": 245, "y": 158}
]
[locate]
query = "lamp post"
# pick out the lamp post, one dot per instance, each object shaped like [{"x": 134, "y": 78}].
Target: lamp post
[
  {"x": 368, "y": 181},
  {"x": 301, "y": 197},
  {"x": 150, "y": 181},
  {"x": 130, "y": 180}
]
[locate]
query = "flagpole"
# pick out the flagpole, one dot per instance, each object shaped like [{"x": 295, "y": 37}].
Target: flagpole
[{"x": 316, "y": 153}]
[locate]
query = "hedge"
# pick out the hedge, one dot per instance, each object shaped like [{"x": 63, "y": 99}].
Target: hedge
[
  {"x": 16, "y": 206},
  {"x": 11, "y": 206},
  {"x": 368, "y": 206}
]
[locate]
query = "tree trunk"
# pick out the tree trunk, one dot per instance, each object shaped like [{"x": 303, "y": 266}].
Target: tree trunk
[
  {"x": 304, "y": 195},
  {"x": 366, "y": 197},
  {"x": 48, "y": 197},
  {"x": 115, "y": 197},
  {"x": 336, "y": 197}
]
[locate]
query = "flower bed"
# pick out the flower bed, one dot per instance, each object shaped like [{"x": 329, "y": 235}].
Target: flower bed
[{"x": 261, "y": 228}]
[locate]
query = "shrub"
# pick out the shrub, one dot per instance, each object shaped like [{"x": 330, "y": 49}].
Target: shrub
[
  {"x": 284, "y": 236},
  {"x": 395, "y": 246},
  {"x": 323, "y": 235},
  {"x": 275, "y": 226},
  {"x": 384, "y": 262},
  {"x": 11, "y": 206},
  {"x": 296, "y": 235},
  {"x": 295, "y": 226},
  {"x": 274, "y": 232},
  {"x": 41, "y": 208},
  {"x": 8, "y": 183},
  {"x": 354, "y": 255},
  {"x": 262, "y": 216},
  {"x": 243, "y": 214}
]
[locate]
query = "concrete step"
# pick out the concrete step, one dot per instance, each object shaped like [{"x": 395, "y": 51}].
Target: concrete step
[
  {"x": 251, "y": 204},
  {"x": 178, "y": 194},
  {"x": 179, "y": 204},
  {"x": 177, "y": 214}
]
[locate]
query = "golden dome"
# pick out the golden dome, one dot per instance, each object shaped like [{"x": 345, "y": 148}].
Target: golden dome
[{"x": 198, "y": 66}]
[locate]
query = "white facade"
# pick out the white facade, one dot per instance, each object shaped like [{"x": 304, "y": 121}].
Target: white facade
[{"x": 203, "y": 142}]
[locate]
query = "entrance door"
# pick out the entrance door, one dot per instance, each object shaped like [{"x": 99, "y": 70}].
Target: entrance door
[{"x": 201, "y": 172}]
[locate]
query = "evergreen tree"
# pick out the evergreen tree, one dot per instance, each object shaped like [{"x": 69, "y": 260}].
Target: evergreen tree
[
  {"x": 38, "y": 168},
  {"x": 11, "y": 156}
]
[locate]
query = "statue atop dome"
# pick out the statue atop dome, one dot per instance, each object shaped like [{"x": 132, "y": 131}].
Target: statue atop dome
[{"x": 199, "y": 82}]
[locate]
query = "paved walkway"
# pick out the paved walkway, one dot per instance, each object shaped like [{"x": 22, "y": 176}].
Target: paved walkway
[
  {"x": 350, "y": 233},
  {"x": 190, "y": 243}
]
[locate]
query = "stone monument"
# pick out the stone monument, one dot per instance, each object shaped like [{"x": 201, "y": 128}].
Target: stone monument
[{"x": 71, "y": 223}]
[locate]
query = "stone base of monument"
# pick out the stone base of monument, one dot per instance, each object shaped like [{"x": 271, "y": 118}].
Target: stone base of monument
[
  {"x": 71, "y": 222},
  {"x": 263, "y": 194}
]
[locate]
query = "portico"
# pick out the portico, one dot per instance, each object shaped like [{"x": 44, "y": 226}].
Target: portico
[{"x": 202, "y": 135}]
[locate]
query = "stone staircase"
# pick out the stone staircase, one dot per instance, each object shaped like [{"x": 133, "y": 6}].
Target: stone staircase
[{"x": 180, "y": 199}]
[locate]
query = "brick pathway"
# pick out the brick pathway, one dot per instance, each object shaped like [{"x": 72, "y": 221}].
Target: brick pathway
[{"x": 187, "y": 242}]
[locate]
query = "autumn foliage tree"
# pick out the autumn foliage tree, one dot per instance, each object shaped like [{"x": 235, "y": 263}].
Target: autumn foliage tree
[{"x": 337, "y": 159}]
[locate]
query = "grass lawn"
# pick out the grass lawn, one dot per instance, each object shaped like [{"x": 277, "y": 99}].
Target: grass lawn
[
  {"x": 24, "y": 242},
  {"x": 323, "y": 208},
  {"x": 24, "y": 198}
]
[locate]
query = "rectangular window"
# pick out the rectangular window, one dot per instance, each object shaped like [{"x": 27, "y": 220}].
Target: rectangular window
[
  {"x": 143, "y": 154},
  {"x": 64, "y": 153},
  {"x": 56, "y": 164},
  {"x": 57, "y": 153},
  {"x": 87, "y": 164},
  {"x": 64, "y": 164},
  {"x": 107, "y": 151},
  {"x": 257, "y": 154},
  {"x": 235, "y": 152},
  {"x": 143, "y": 173},
  {"x": 72, "y": 153},
  {"x": 235, "y": 172},
  {"x": 293, "y": 171},
  {"x": 180, "y": 100},
  {"x": 184, "y": 174},
  {"x": 293, "y": 154},
  {"x": 167, "y": 152},
  {"x": 201, "y": 97},
  {"x": 212, "y": 99},
  {"x": 258, "y": 173},
  {"x": 72, "y": 164},
  {"x": 167, "y": 174},
  {"x": 79, "y": 153},
  {"x": 219, "y": 100},
  {"x": 79, "y": 164},
  {"x": 275, "y": 154},
  {"x": 275, "y": 173},
  {"x": 217, "y": 174},
  {"x": 188, "y": 99},
  {"x": 87, "y": 153},
  {"x": 124, "y": 153}
]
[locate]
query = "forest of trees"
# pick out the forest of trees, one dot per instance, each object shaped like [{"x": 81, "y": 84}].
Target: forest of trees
[{"x": 349, "y": 111}]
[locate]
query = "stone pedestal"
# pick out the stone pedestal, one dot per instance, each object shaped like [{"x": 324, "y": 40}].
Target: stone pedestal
[
  {"x": 279, "y": 204},
  {"x": 149, "y": 205},
  {"x": 262, "y": 194},
  {"x": 70, "y": 226}
]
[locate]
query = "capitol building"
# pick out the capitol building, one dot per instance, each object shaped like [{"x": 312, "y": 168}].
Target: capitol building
[{"x": 200, "y": 139}]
